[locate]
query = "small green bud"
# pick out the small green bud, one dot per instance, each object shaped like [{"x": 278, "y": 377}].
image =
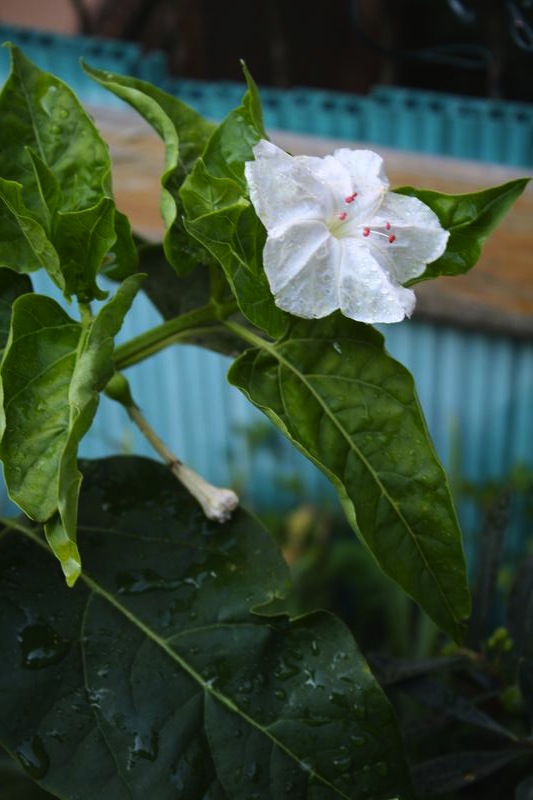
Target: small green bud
[{"x": 118, "y": 389}]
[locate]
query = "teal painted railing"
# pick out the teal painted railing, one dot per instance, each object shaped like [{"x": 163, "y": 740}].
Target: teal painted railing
[{"x": 476, "y": 389}]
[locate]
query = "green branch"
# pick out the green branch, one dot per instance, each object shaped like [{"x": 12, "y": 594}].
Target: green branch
[{"x": 184, "y": 328}]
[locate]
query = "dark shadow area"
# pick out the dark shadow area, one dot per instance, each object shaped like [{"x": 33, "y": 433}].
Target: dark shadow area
[{"x": 482, "y": 48}]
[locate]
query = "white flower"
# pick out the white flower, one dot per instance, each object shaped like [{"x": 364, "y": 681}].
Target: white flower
[{"x": 337, "y": 238}]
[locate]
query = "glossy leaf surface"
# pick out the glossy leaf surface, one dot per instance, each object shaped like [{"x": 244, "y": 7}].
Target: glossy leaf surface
[
  {"x": 185, "y": 133},
  {"x": 52, "y": 371},
  {"x": 53, "y": 152},
  {"x": 342, "y": 400},
  {"x": 154, "y": 678},
  {"x": 470, "y": 218},
  {"x": 220, "y": 216}
]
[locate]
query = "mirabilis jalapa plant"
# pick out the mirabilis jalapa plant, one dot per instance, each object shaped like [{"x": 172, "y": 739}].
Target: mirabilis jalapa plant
[{"x": 166, "y": 663}]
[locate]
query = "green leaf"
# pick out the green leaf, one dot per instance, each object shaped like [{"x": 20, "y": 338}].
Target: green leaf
[
  {"x": 12, "y": 286},
  {"x": 470, "y": 218},
  {"x": 52, "y": 150},
  {"x": 220, "y": 215},
  {"x": 41, "y": 115},
  {"x": 24, "y": 244},
  {"x": 185, "y": 133},
  {"x": 90, "y": 232},
  {"x": 336, "y": 394},
  {"x": 123, "y": 258},
  {"x": 153, "y": 677},
  {"x": 16, "y": 785},
  {"x": 52, "y": 371}
]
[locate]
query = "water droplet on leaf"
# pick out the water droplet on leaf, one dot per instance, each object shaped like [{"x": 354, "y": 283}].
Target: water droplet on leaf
[
  {"x": 33, "y": 758},
  {"x": 145, "y": 746},
  {"x": 41, "y": 646}
]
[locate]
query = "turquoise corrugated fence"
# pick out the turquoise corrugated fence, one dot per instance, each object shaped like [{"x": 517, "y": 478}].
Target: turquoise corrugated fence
[
  {"x": 476, "y": 389},
  {"x": 61, "y": 55}
]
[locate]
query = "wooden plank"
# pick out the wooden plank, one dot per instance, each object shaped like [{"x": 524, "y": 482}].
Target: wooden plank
[{"x": 497, "y": 295}]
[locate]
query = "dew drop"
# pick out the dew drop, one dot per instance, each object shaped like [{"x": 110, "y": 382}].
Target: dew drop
[
  {"x": 338, "y": 699},
  {"x": 33, "y": 758},
  {"x": 338, "y": 349},
  {"x": 145, "y": 746},
  {"x": 41, "y": 646},
  {"x": 342, "y": 763}
]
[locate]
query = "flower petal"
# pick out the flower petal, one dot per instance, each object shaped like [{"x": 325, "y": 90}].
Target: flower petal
[
  {"x": 301, "y": 266},
  {"x": 284, "y": 189},
  {"x": 419, "y": 236},
  {"x": 367, "y": 293},
  {"x": 365, "y": 168}
]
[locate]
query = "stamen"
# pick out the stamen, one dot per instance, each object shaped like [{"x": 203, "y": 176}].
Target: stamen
[
  {"x": 342, "y": 216},
  {"x": 350, "y": 198},
  {"x": 391, "y": 238}
]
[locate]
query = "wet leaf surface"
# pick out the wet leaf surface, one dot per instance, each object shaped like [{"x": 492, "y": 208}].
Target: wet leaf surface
[{"x": 153, "y": 677}]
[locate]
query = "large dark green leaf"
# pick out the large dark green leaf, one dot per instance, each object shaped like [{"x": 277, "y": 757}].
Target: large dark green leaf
[
  {"x": 185, "y": 133},
  {"x": 153, "y": 678},
  {"x": 470, "y": 218},
  {"x": 220, "y": 216},
  {"x": 52, "y": 371},
  {"x": 16, "y": 785},
  {"x": 344, "y": 402},
  {"x": 50, "y": 147}
]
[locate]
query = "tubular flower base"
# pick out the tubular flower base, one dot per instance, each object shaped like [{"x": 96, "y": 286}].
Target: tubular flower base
[{"x": 337, "y": 237}]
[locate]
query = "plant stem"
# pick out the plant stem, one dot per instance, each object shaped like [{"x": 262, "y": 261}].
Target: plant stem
[
  {"x": 217, "y": 504},
  {"x": 185, "y": 327},
  {"x": 246, "y": 334}
]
